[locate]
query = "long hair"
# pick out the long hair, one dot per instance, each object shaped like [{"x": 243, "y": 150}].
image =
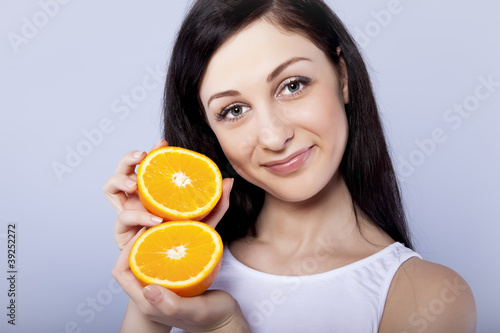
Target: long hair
[{"x": 366, "y": 165}]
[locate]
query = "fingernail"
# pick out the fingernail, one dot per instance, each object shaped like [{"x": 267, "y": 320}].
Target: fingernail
[
  {"x": 153, "y": 295},
  {"x": 156, "y": 219},
  {"x": 130, "y": 183},
  {"x": 137, "y": 153},
  {"x": 159, "y": 143}
]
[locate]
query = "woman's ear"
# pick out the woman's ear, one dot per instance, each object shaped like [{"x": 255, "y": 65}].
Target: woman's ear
[{"x": 344, "y": 79}]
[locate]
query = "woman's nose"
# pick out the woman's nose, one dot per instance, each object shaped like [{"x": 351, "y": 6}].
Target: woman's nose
[{"x": 275, "y": 131}]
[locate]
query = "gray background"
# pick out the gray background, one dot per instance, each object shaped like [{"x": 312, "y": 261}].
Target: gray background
[{"x": 68, "y": 67}]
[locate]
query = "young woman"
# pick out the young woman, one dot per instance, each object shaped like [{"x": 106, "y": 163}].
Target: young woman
[{"x": 314, "y": 230}]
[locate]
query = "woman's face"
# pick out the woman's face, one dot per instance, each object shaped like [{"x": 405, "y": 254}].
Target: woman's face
[{"x": 276, "y": 105}]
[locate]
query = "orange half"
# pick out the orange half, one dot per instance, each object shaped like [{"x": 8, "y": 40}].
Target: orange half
[
  {"x": 178, "y": 184},
  {"x": 183, "y": 256}
]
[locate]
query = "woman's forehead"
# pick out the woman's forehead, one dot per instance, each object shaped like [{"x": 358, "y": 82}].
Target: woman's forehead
[{"x": 255, "y": 51}]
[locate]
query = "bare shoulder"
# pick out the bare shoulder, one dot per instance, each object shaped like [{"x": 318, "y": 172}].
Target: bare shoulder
[{"x": 428, "y": 297}]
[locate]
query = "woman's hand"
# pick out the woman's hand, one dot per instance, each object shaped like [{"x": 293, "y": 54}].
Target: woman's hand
[
  {"x": 212, "y": 311},
  {"x": 121, "y": 191}
]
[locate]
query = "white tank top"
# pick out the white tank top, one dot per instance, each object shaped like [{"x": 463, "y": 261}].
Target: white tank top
[{"x": 347, "y": 299}]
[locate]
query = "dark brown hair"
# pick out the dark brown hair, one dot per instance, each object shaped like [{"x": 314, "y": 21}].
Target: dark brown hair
[{"x": 366, "y": 165}]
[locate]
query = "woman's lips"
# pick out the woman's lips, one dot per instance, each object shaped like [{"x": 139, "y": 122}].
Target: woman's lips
[{"x": 291, "y": 163}]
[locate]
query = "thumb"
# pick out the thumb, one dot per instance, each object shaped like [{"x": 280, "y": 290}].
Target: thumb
[
  {"x": 164, "y": 300},
  {"x": 210, "y": 308},
  {"x": 213, "y": 218},
  {"x": 153, "y": 294}
]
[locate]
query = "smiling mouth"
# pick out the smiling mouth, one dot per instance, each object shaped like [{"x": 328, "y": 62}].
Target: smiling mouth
[{"x": 291, "y": 163}]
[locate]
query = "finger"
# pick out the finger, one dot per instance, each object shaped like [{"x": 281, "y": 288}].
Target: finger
[
  {"x": 120, "y": 183},
  {"x": 162, "y": 143},
  {"x": 122, "y": 273},
  {"x": 207, "y": 309},
  {"x": 128, "y": 162},
  {"x": 129, "y": 222},
  {"x": 162, "y": 298},
  {"x": 132, "y": 218},
  {"x": 122, "y": 262},
  {"x": 220, "y": 209},
  {"x": 116, "y": 187},
  {"x": 121, "y": 239}
]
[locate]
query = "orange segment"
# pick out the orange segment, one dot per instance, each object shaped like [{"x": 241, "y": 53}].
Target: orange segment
[
  {"x": 178, "y": 184},
  {"x": 183, "y": 256}
]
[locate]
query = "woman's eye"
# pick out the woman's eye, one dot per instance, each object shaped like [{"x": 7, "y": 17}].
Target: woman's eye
[
  {"x": 236, "y": 111},
  {"x": 232, "y": 112},
  {"x": 293, "y": 86}
]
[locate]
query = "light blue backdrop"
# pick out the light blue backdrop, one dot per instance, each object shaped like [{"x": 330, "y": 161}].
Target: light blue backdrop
[{"x": 81, "y": 84}]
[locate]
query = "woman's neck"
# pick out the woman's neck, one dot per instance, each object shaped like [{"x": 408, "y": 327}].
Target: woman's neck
[
  {"x": 323, "y": 228},
  {"x": 328, "y": 216},
  {"x": 329, "y": 212}
]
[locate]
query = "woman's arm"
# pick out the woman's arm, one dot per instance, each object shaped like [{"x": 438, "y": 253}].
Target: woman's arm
[{"x": 135, "y": 321}]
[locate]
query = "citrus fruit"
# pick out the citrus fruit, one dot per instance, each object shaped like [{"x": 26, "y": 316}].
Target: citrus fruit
[
  {"x": 178, "y": 184},
  {"x": 183, "y": 256}
]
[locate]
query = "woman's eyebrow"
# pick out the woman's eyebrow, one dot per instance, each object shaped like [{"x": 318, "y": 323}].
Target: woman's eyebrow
[
  {"x": 223, "y": 94},
  {"x": 283, "y": 66},
  {"x": 277, "y": 71}
]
